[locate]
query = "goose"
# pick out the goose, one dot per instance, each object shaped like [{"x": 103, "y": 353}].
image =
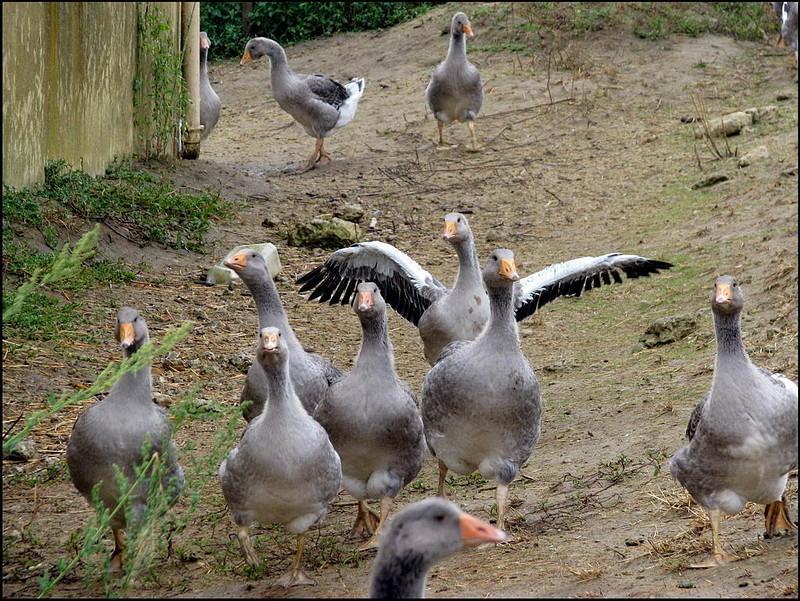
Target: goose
[
  {"x": 789, "y": 26},
  {"x": 372, "y": 419},
  {"x": 742, "y": 437},
  {"x": 777, "y": 9},
  {"x": 284, "y": 468},
  {"x": 209, "y": 101},
  {"x": 480, "y": 403},
  {"x": 419, "y": 536},
  {"x": 112, "y": 433},
  {"x": 317, "y": 102},
  {"x": 455, "y": 92},
  {"x": 444, "y": 315},
  {"x": 311, "y": 374}
]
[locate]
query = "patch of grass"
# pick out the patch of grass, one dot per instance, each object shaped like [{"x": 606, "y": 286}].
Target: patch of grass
[
  {"x": 744, "y": 20},
  {"x": 651, "y": 27},
  {"x": 501, "y": 47},
  {"x": 591, "y": 19},
  {"x": 42, "y": 317}
]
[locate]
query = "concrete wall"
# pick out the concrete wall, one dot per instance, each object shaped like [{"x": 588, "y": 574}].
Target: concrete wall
[{"x": 68, "y": 75}]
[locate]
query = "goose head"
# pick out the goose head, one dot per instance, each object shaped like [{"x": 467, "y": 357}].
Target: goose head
[
  {"x": 258, "y": 47},
  {"x": 500, "y": 270},
  {"x": 248, "y": 264},
  {"x": 130, "y": 330},
  {"x": 368, "y": 302},
  {"x": 461, "y": 25},
  {"x": 727, "y": 298},
  {"x": 456, "y": 228},
  {"x": 271, "y": 347}
]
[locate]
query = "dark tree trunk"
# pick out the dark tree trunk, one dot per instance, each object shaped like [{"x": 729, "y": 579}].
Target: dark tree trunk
[{"x": 246, "y": 8}]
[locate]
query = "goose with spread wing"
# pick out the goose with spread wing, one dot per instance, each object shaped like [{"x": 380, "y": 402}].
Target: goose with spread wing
[
  {"x": 317, "y": 102},
  {"x": 444, "y": 315}
]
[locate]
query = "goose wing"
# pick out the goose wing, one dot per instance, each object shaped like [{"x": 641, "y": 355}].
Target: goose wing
[
  {"x": 327, "y": 90},
  {"x": 571, "y": 278},
  {"x": 405, "y": 285},
  {"x": 694, "y": 418}
]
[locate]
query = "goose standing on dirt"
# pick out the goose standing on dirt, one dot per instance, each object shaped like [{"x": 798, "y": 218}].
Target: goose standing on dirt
[
  {"x": 316, "y": 102},
  {"x": 419, "y": 536},
  {"x": 742, "y": 437},
  {"x": 284, "y": 468},
  {"x": 311, "y": 374},
  {"x": 455, "y": 92},
  {"x": 113, "y": 432},
  {"x": 443, "y": 315},
  {"x": 372, "y": 419},
  {"x": 789, "y": 26},
  {"x": 209, "y": 101},
  {"x": 480, "y": 402}
]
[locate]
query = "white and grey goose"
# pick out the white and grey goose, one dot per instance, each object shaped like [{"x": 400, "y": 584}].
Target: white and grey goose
[
  {"x": 373, "y": 420},
  {"x": 419, "y": 536},
  {"x": 311, "y": 374},
  {"x": 789, "y": 26},
  {"x": 444, "y": 315},
  {"x": 112, "y": 433},
  {"x": 455, "y": 92},
  {"x": 480, "y": 402},
  {"x": 284, "y": 468},
  {"x": 210, "y": 103},
  {"x": 317, "y": 102},
  {"x": 742, "y": 437}
]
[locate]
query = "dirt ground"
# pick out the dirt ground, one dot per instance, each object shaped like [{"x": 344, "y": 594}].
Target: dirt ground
[{"x": 607, "y": 166}]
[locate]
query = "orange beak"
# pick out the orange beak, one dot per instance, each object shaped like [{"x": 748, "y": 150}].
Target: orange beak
[
  {"x": 475, "y": 532},
  {"x": 237, "y": 262},
  {"x": 468, "y": 30},
  {"x": 449, "y": 229},
  {"x": 722, "y": 294},
  {"x": 126, "y": 334},
  {"x": 246, "y": 58},
  {"x": 364, "y": 301},
  {"x": 508, "y": 269},
  {"x": 270, "y": 342}
]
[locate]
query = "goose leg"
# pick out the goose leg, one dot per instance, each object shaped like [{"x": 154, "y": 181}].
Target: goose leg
[
  {"x": 323, "y": 154},
  {"x": 315, "y": 156},
  {"x": 779, "y": 42},
  {"x": 440, "y": 126},
  {"x": 296, "y": 576},
  {"x": 776, "y": 516},
  {"x": 246, "y": 545},
  {"x": 502, "y": 501},
  {"x": 116, "y": 556},
  {"x": 366, "y": 521},
  {"x": 442, "y": 476},
  {"x": 386, "y": 507},
  {"x": 718, "y": 555},
  {"x": 475, "y": 146}
]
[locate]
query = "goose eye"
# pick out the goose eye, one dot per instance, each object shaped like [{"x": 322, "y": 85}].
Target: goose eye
[
  {"x": 494, "y": 257},
  {"x": 439, "y": 517},
  {"x": 136, "y": 318}
]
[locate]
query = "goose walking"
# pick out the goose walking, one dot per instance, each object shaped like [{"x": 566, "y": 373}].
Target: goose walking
[
  {"x": 444, "y": 315},
  {"x": 372, "y": 419},
  {"x": 742, "y": 437},
  {"x": 317, "y": 102},
  {"x": 113, "y": 432},
  {"x": 210, "y": 104},
  {"x": 284, "y": 468},
  {"x": 311, "y": 374},
  {"x": 455, "y": 92},
  {"x": 420, "y": 535},
  {"x": 480, "y": 402}
]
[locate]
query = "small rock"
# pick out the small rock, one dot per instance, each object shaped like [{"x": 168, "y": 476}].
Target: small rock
[
  {"x": 633, "y": 542},
  {"x": 219, "y": 274},
  {"x": 373, "y": 223},
  {"x": 758, "y": 153},
  {"x": 789, "y": 172},
  {"x": 711, "y": 180},
  {"x": 686, "y": 584},
  {"x": 241, "y": 362},
  {"x": 269, "y": 221},
  {"x": 783, "y": 96},
  {"x": 667, "y": 330},
  {"x": 727, "y": 125},
  {"x": 759, "y": 112},
  {"x": 324, "y": 231},
  {"x": 350, "y": 211},
  {"x": 24, "y": 451}
]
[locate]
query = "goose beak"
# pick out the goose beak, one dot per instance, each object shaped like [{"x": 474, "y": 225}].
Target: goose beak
[
  {"x": 204, "y": 43},
  {"x": 237, "y": 262},
  {"x": 475, "y": 532},
  {"x": 449, "y": 230},
  {"x": 722, "y": 294},
  {"x": 270, "y": 342},
  {"x": 508, "y": 269},
  {"x": 468, "y": 30},
  {"x": 365, "y": 301},
  {"x": 246, "y": 58},
  {"x": 126, "y": 335}
]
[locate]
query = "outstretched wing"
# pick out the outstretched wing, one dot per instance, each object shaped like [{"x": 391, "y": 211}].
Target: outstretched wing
[
  {"x": 571, "y": 278},
  {"x": 327, "y": 90},
  {"x": 406, "y": 286}
]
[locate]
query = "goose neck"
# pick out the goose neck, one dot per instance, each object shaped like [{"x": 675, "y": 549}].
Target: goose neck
[
  {"x": 375, "y": 353},
  {"x": 469, "y": 270},
  {"x": 269, "y": 306},
  {"x": 728, "y": 330},
  {"x": 457, "y": 51},
  {"x": 399, "y": 575},
  {"x": 502, "y": 324},
  {"x": 281, "y": 392}
]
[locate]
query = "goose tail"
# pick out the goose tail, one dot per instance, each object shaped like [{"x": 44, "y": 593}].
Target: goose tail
[{"x": 347, "y": 111}]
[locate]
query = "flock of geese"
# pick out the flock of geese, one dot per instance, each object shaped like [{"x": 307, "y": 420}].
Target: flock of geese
[{"x": 313, "y": 430}]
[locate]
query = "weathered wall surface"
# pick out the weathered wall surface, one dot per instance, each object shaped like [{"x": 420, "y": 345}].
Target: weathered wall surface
[{"x": 68, "y": 78}]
